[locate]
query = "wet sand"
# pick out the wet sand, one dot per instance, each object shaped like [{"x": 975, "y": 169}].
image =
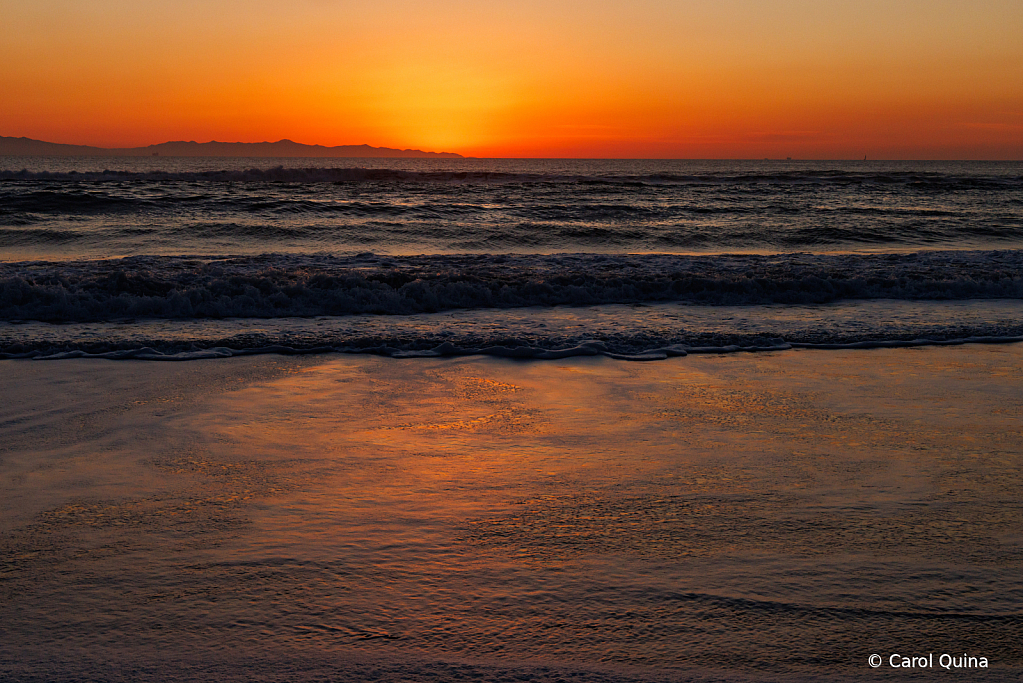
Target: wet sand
[{"x": 745, "y": 516}]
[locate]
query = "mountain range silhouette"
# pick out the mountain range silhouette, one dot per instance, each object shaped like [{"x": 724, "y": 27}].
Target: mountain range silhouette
[{"x": 10, "y": 146}]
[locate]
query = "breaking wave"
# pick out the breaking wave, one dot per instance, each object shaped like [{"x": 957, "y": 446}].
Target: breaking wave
[{"x": 274, "y": 286}]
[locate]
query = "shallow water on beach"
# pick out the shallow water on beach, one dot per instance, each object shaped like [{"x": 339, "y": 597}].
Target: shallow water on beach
[{"x": 782, "y": 516}]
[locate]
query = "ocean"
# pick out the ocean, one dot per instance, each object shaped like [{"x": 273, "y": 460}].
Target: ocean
[
  {"x": 165, "y": 257},
  {"x": 411, "y": 441}
]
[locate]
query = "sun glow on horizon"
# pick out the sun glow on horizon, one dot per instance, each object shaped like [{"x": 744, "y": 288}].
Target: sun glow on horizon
[{"x": 729, "y": 79}]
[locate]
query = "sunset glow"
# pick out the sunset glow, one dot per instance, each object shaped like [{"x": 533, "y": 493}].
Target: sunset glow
[{"x": 723, "y": 79}]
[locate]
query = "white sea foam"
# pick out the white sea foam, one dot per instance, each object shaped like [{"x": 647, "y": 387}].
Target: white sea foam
[
  {"x": 272, "y": 286},
  {"x": 629, "y": 332}
]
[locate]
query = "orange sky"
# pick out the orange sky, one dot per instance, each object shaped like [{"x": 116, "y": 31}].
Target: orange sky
[{"x": 916, "y": 79}]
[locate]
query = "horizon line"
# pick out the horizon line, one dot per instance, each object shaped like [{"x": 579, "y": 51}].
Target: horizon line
[{"x": 451, "y": 154}]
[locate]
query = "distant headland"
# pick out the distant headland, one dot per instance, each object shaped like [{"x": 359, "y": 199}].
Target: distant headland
[{"x": 281, "y": 148}]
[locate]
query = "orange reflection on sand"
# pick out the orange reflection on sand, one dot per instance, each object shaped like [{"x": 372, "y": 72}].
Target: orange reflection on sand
[{"x": 353, "y": 504}]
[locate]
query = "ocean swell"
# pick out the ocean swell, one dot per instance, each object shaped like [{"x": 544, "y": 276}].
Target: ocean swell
[{"x": 917, "y": 179}]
